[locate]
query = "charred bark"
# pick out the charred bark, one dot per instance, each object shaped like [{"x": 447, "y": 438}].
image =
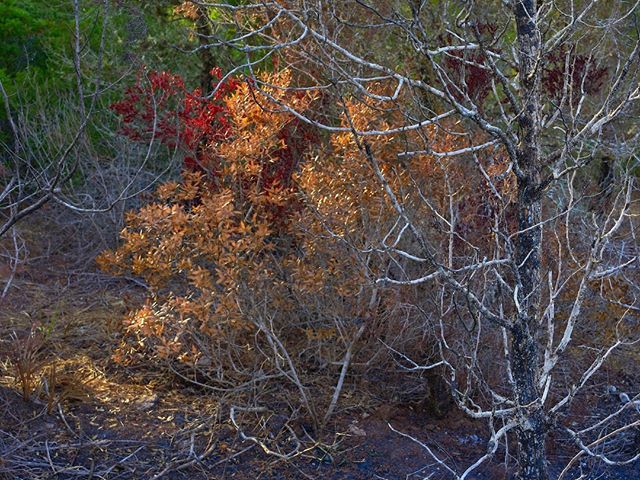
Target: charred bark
[
  {"x": 207, "y": 59},
  {"x": 531, "y": 431}
]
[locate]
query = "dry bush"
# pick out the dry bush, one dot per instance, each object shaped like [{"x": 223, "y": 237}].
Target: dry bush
[{"x": 263, "y": 259}]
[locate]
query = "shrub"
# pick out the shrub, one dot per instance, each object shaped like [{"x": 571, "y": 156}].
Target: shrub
[{"x": 262, "y": 259}]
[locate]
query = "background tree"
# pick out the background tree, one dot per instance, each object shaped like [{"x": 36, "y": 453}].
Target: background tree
[{"x": 64, "y": 63}]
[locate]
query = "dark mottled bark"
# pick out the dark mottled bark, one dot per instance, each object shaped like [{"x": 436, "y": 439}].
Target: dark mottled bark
[
  {"x": 207, "y": 59},
  {"x": 531, "y": 432}
]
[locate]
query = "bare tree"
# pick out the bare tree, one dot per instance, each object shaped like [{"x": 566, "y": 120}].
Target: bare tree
[
  {"x": 63, "y": 146},
  {"x": 49, "y": 143},
  {"x": 554, "y": 86}
]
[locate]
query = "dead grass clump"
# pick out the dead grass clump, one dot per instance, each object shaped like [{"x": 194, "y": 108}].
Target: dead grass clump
[{"x": 26, "y": 359}]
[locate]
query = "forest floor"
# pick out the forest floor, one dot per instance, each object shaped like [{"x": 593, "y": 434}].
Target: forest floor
[
  {"x": 90, "y": 418},
  {"x": 106, "y": 421}
]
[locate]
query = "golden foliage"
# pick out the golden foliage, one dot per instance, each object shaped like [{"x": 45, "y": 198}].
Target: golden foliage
[
  {"x": 187, "y": 9},
  {"x": 216, "y": 248}
]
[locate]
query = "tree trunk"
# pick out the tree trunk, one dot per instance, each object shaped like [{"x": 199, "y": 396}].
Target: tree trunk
[
  {"x": 531, "y": 431},
  {"x": 203, "y": 30}
]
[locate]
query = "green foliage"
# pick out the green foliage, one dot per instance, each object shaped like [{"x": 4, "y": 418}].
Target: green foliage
[
  {"x": 36, "y": 53},
  {"x": 31, "y": 30}
]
